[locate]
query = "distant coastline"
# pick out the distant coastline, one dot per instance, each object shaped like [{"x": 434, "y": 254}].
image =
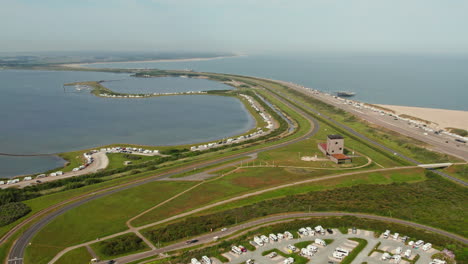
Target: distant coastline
[{"x": 82, "y": 65}]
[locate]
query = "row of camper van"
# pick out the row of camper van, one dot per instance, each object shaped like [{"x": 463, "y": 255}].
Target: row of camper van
[
  {"x": 227, "y": 141},
  {"x": 418, "y": 244},
  {"x": 261, "y": 240},
  {"x": 129, "y": 150},
  {"x": 311, "y": 248},
  {"x": 399, "y": 252},
  {"x": 89, "y": 161},
  {"x": 308, "y": 231},
  {"x": 204, "y": 260},
  {"x": 29, "y": 178}
]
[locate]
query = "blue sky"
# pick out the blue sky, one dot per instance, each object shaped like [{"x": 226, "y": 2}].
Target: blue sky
[{"x": 243, "y": 26}]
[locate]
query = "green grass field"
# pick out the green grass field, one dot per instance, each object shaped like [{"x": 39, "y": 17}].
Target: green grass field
[
  {"x": 404, "y": 175},
  {"x": 459, "y": 171},
  {"x": 116, "y": 160},
  {"x": 76, "y": 256},
  {"x": 241, "y": 181},
  {"x": 98, "y": 218}
]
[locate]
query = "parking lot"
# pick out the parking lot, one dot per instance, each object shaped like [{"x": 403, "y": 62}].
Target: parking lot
[{"x": 325, "y": 253}]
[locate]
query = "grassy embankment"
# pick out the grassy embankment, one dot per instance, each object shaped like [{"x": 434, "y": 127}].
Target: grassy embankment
[
  {"x": 76, "y": 256},
  {"x": 458, "y": 131},
  {"x": 459, "y": 171}
]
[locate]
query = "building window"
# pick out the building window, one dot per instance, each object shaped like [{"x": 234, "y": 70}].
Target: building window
[
  {"x": 336, "y": 142},
  {"x": 333, "y": 151},
  {"x": 341, "y": 148}
]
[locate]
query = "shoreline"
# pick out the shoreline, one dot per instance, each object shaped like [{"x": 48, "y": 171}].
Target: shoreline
[
  {"x": 82, "y": 65},
  {"x": 441, "y": 118}
]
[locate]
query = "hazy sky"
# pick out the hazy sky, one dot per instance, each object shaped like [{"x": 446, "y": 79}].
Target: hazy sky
[{"x": 244, "y": 26}]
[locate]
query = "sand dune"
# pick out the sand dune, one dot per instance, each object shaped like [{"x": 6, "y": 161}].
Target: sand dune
[{"x": 441, "y": 117}]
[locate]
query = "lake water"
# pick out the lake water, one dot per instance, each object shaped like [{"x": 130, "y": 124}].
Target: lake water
[
  {"x": 38, "y": 116},
  {"x": 414, "y": 80}
]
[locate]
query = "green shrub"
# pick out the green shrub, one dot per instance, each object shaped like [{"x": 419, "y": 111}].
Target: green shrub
[
  {"x": 121, "y": 245},
  {"x": 12, "y": 211}
]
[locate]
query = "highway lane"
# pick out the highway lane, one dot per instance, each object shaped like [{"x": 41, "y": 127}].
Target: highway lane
[
  {"x": 17, "y": 251},
  {"x": 252, "y": 225}
]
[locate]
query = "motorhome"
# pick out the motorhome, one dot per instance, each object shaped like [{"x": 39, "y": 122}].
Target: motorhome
[
  {"x": 258, "y": 240},
  {"x": 206, "y": 260},
  {"x": 386, "y": 256},
  {"x": 408, "y": 253},
  {"x": 427, "y": 246},
  {"x": 273, "y": 237},
  {"x": 398, "y": 250},
  {"x": 386, "y": 234},
  {"x": 288, "y": 235},
  {"x": 236, "y": 250},
  {"x": 319, "y": 241}
]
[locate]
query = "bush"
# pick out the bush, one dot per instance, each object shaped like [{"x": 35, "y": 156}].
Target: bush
[
  {"x": 11, "y": 212},
  {"x": 121, "y": 245}
]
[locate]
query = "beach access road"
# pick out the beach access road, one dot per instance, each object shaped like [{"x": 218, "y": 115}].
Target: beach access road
[
  {"x": 241, "y": 229},
  {"x": 438, "y": 142},
  {"x": 100, "y": 162}
]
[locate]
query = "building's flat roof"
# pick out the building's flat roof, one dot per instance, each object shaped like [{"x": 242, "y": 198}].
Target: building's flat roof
[
  {"x": 340, "y": 156},
  {"x": 335, "y": 136}
]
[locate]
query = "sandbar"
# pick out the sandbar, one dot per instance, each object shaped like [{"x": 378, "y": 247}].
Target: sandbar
[{"x": 442, "y": 118}]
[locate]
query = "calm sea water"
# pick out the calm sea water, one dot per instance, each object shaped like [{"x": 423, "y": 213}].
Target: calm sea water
[
  {"x": 425, "y": 81},
  {"x": 38, "y": 116}
]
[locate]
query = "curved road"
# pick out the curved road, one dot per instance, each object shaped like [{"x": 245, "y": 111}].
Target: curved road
[
  {"x": 17, "y": 252},
  {"x": 206, "y": 238}
]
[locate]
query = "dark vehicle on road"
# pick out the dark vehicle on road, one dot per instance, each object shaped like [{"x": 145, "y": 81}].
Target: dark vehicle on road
[
  {"x": 329, "y": 231},
  {"x": 191, "y": 241}
]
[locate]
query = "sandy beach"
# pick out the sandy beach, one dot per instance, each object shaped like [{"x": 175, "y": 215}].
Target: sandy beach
[
  {"x": 82, "y": 65},
  {"x": 443, "y": 118}
]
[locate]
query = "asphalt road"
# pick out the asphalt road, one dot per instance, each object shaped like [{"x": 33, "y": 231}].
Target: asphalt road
[
  {"x": 17, "y": 251},
  {"x": 206, "y": 238}
]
